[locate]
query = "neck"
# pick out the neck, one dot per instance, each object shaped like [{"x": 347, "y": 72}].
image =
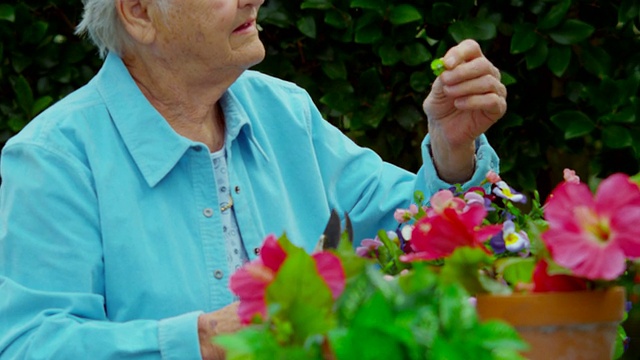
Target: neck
[{"x": 188, "y": 101}]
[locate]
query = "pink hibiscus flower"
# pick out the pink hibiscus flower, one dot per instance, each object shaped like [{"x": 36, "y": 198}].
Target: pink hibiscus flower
[
  {"x": 250, "y": 282},
  {"x": 439, "y": 235},
  {"x": 593, "y": 236}
]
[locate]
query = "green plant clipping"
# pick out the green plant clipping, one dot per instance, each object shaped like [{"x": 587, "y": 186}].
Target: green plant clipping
[{"x": 438, "y": 67}]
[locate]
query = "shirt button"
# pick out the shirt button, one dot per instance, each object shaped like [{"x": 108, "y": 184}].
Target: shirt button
[
  {"x": 256, "y": 251},
  {"x": 208, "y": 212},
  {"x": 237, "y": 189},
  {"x": 218, "y": 274},
  {"x": 197, "y": 148}
]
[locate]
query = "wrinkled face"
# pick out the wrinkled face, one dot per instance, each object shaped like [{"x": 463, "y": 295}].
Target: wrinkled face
[{"x": 211, "y": 33}]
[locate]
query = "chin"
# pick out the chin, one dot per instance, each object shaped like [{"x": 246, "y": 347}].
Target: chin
[{"x": 256, "y": 55}]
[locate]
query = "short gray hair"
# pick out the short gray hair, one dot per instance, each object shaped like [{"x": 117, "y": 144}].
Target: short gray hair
[{"x": 100, "y": 21}]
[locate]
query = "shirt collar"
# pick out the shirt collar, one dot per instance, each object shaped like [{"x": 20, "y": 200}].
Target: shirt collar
[{"x": 154, "y": 146}]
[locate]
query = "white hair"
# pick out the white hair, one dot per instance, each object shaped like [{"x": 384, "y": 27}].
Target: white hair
[{"x": 100, "y": 21}]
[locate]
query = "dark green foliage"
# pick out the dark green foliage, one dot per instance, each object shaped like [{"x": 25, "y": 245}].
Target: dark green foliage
[
  {"x": 572, "y": 68},
  {"x": 41, "y": 59}
]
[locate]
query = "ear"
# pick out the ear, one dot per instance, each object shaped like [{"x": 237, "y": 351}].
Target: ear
[{"x": 137, "y": 20}]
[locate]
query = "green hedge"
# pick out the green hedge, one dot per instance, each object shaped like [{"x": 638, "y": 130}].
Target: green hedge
[{"x": 572, "y": 68}]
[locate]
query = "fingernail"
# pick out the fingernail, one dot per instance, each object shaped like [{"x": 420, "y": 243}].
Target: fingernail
[{"x": 450, "y": 62}]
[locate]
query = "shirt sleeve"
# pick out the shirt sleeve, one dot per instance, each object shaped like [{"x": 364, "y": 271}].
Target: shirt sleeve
[
  {"x": 52, "y": 288},
  {"x": 486, "y": 159},
  {"x": 369, "y": 189}
]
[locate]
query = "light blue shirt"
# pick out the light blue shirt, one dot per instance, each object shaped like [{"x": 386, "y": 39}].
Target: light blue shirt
[{"x": 110, "y": 240}]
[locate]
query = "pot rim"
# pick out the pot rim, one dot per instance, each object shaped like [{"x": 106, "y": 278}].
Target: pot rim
[{"x": 554, "y": 308}]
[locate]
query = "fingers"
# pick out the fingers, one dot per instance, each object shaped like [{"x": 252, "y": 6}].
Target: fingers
[
  {"x": 492, "y": 105},
  {"x": 472, "y": 69},
  {"x": 466, "y": 51},
  {"x": 472, "y": 81},
  {"x": 481, "y": 85}
]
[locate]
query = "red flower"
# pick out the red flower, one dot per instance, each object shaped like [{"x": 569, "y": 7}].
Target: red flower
[
  {"x": 250, "y": 282},
  {"x": 439, "y": 235},
  {"x": 543, "y": 282}
]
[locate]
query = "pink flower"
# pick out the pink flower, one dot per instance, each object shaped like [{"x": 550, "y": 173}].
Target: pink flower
[
  {"x": 250, "y": 282},
  {"x": 438, "y": 236},
  {"x": 444, "y": 199},
  {"x": 368, "y": 248},
  {"x": 493, "y": 177},
  {"x": 593, "y": 236},
  {"x": 570, "y": 176},
  {"x": 404, "y": 215}
]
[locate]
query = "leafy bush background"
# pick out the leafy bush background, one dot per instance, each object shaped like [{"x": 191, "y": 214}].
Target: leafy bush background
[{"x": 572, "y": 68}]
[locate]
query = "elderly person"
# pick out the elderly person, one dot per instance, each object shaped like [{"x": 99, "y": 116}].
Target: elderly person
[{"x": 126, "y": 206}]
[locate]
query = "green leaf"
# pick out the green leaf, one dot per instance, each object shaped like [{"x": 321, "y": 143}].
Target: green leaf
[
  {"x": 555, "y": 15},
  {"x": 41, "y": 104},
  {"x": 473, "y": 28},
  {"x": 442, "y": 13},
  {"x": 438, "y": 67},
  {"x": 35, "y": 32},
  {"x": 572, "y": 32},
  {"x": 524, "y": 38},
  {"x": 379, "y": 5},
  {"x": 627, "y": 115},
  {"x": 573, "y": 123},
  {"x": 463, "y": 267},
  {"x": 516, "y": 269},
  {"x": 507, "y": 79},
  {"x": 316, "y": 4},
  {"x": 335, "y": 69},
  {"x": 374, "y": 114},
  {"x": 501, "y": 338},
  {"x": 621, "y": 339},
  {"x": 616, "y": 137},
  {"x": 559, "y": 59},
  {"x": 370, "y": 82},
  {"x": 455, "y": 314},
  {"x": 368, "y": 29},
  {"x": 7, "y": 13},
  {"x": 16, "y": 124},
  {"x": 337, "y": 19},
  {"x": 24, "y": 95},
  {"x": 415, "y": 54},
  {"x": 307, "y": 26},
  {"x": 389, "y": 54},
  {"x": 301, "y": 296},
  {"x": 596, "y": 60},
  {"x": 628, "y": 10},
  {"x": 404, "y": 14},
  {"x": 538, "y": 55},
  {"x": 340, "y": 98}
]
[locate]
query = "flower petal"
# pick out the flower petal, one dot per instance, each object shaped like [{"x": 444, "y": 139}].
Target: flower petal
[
  {"x": 330, "y": 268},
  {"x": 272, "y": 254}
]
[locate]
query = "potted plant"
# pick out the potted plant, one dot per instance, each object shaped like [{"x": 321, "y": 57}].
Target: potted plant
[{"x": 451, "y": 280}]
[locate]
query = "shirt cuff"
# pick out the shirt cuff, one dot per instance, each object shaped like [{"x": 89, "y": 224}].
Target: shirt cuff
[
  {"x": 486, "y": 159},
  {"x": 178, "y": 337}
]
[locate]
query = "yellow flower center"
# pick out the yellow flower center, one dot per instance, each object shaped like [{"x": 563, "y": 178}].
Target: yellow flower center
[
  {"x": 511, "y": 239},
  {"x": 507, "y": 192},
  {"x": 590, "y": 222}
]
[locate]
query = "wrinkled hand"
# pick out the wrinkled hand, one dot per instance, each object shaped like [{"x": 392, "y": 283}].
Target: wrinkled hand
[
  {"x": 223, "y": 321},
  {"x": 463, "y": 103}
]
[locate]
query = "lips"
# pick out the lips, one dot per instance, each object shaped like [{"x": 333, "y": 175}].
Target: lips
[{"x": 245, "y": 26}]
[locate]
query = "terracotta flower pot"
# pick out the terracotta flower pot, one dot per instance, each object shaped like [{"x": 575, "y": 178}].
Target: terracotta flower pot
[{"x": 563, "y": 325}]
